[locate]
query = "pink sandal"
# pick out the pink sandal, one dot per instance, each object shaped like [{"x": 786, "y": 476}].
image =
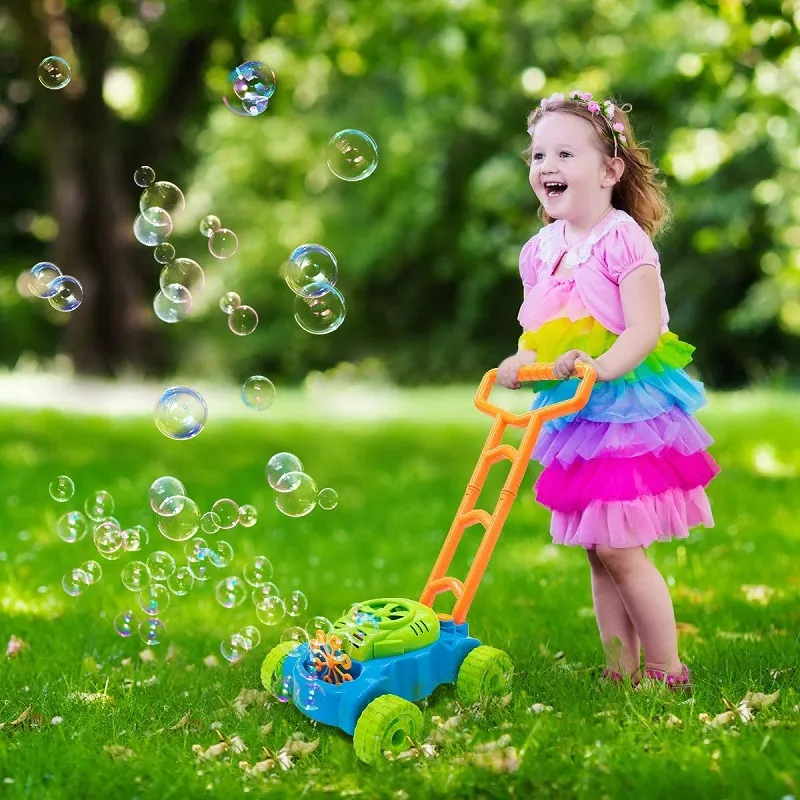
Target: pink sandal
[{"x": 682, "y": 681}]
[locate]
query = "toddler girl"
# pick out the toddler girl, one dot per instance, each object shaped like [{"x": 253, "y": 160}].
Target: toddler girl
[{"x": 631, "y": 467}]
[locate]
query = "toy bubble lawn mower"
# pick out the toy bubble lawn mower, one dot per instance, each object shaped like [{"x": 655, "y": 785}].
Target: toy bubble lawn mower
[{"x": 365, "y": 675}]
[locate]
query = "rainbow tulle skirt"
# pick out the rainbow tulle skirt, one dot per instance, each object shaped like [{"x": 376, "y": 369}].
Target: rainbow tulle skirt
[{"x": 631, "y": 467}]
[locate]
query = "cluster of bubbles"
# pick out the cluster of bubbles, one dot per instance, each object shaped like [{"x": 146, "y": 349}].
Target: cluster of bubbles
[
  {"x": 296, "y": 492},
  {"x": 63, "y": 292},
  {"x": 250, "y": 87},
  {"x": 54, "y": 72},
  {"x": 242, "y": 319},
  {"x": 222, "y": 242},
  {"x": 311, "y": 272},
  {"x": 352, "y": 155}
]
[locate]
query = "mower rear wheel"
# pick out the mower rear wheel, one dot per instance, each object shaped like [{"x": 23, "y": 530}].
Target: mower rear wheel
[
  {"x": 385, "y": 724},
  {"x": 273, "y": 664},
  {"x": 485, "y": 671}
]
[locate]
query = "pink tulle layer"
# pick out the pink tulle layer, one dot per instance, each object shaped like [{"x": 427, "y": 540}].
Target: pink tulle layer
[
  {"x": 573, "y": 488},
  {"x": 634, "y": 523},
  {"x": 586, "y": 439}
]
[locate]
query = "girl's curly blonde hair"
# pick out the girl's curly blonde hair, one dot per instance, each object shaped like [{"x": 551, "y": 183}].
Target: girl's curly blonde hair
[{"x": 641, "y": 189}]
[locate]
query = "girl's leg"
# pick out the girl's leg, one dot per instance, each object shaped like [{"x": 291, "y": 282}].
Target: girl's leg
[
  {"x": 645, "y": 594},
  {"x": 617, "y": 632}
]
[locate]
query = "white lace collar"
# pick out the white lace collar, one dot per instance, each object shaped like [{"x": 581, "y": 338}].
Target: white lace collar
[{"x": 552, "y": 243}]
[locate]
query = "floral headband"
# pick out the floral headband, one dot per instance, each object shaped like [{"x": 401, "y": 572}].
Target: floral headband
[{"x": 606, "y": 111}]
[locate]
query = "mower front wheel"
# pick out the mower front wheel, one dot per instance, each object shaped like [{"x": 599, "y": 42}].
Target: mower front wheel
[
  {"x": 385, "y": 724},
  {"x": 484, "y": 672}
]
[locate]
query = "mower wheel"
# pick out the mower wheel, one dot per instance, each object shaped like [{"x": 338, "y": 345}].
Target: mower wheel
[
  {"x": 273, "y": 664},
  {"x": 384, "y": 725},
  {"x": 485, "y": 671}
]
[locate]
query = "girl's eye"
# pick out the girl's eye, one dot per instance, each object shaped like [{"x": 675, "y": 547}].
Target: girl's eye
[{"x": 537, "y": 156}]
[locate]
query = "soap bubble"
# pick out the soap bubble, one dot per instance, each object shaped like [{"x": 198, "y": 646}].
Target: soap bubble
[
  {"x": 54, "y": 72},
  {"x": 251, "y": 636},
  {"x": 67, "y": 293},
  {"x": 135, "y": 539},
  {"x": 258, "y": 392},
  {"x": 154, "y": 600},
  {"x": 279, "y": 465},
  {"x": 300, "y": 500},
  {"x": 234, "y": 647},
  {"x": 93, "y": 570},
  {"x": 135, "y": 576},
  {"x": 319, "y": 308},
  {"x": 201, "y": 570},
  {"x": 41, "y": 277},
  {"x": 307, "y": 264},
  {"x": 295, "y": 634},
  {"x": 184, "y": 524},
  {"x": 231, "y": 591},
  {"x": 185, "y": 272},
  {"x": 126, "y": 622},
  {"x": 262, "y": 592},
  {"x": 154, "y": 229},
  {"x": 209, "y": 224},
  {"x": 99, "y": 505},
  {"x": 352, "y": 155},
  {"x": 195, "y": 549},
  {"x": 309, "y": 692},
  {"x": 108, "y": 540},
  {"x": 74, "y": 582},
  {"x": 160, "y": 565},
  {"x": 163, "y": 488},
  {"x": 248, "y": 516},
  {"x": 223, "y": 243},
  {"x": 282, "y": 688},
  {"x": 318, "y": 623},
  {"x": 181, "y": 582},
  {"x": 229, "y": 301},
  {"x": 270, "y": 611},
  {"x": 250, "y": 87},
  {"x": 181, "y": 413},
  {"x": 173, "y": 304},
  {"x": 227, "y": 512},
  {"x": 209, "y": 522},
  {"x": 327, "y": 499},
  {"x": 243, "y": 320},
  {"x": 62, "y": 488},
  {"x": 258, "y": 571},
  {"x": 296, "y": 603},
  {"x": 72, "y": 527},
  {"x": 151, "y": 631},
  {"x": 161, "y": 196},
  {"x": 220, "y": 554},
  {"x": 164, "y": 253},
  {"x": 144, "y": 176}
]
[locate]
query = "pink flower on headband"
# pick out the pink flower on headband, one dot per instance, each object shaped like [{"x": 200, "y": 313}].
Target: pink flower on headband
[
  {"x": 587, "y": 96},
  {"x": 594, "y": 107},
  {"x": 619, "y": 127},
  {"x": 558, "y": 97}
]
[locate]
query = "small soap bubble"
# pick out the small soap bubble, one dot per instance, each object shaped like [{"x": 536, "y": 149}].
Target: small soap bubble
[
  {"x": 318, "y": 624},
  {"x": 151, "y": 631},
  {"x": 74, "y": 582},
  {"x": 209, "y": 522},
  {"x": 243, "y": 320},
  {"x": 296, "y": 603},
  {"x": 173, "y": 304},
  {"x": 67, "y": 293},
  {"x": 327, "y": 499},
  {"x": 164, "y": 253},
  {"x": 93, "y": 570},
  {"x": 307, "y": 264},
  {"x": 54, "y": 72},
  {"x": 251, "y": 635},
  {"x": 281, "y": 464},
  {"x": 201, "y": 570},
  {"x": 220, "y": 554},
  {"x": 160, "y": 565},
  {"x": 319, "y": 308},
  {"x": 161, "y": 196},
  {"x": 181, "y": 582},
  {"x": 72, "y": 527},
  {"x": 62, "y": 488},
  {"x": 258, "y": 393},
  {"x": 298, "y": 501},
  {"x": 223, "y": 243},
  {"x": 163, "y": 488},
  {"x": 352, "y": 155},
  {"x": 234, "y": 647},
  {"x": 181, "y": 413},
  {"x": 227, "y": 512},
  {"x": 154, "y": 600},
  {"x": 209, "y": 224},
  {"x": 282, "y": 688},
  {"x": 108, "y": 540},
  {"x": 270, "y": 611},
  {"x": 258, "y": 571},
  {"x": 248, "y": 516},
  {"x": 195, "y": 549},
  {"x": 41, "y": 277},
  {"x": 135, "y": 539},
  {"x": 262, "y": 592},
  {"x": 294, "y": 634},
  {"x": 231, "y": 591},
  {"x": 250, "y": 87},
  {"x": 185, "y": 272},
  {"x": 135, "y": 576},
  {"x": 99, "y": 505},
  {"x": 144, "y": 176},
  {"x": 173, "y": 506},
  {"x": 309, "y": 692},
  {"x": 126, "y": 622},
  {"x": 154, "y": 229},
  {"x": 229, "y": 301}
]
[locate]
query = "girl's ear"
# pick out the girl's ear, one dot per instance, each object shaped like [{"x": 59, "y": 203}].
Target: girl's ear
[{"x": 614, "y": 169}]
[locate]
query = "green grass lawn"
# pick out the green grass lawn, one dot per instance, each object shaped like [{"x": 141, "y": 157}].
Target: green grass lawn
[{"x": 399, "y": 484}]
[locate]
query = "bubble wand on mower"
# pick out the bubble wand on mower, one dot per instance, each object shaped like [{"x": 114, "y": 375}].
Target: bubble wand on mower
[{"x": 385, "y": 654}]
